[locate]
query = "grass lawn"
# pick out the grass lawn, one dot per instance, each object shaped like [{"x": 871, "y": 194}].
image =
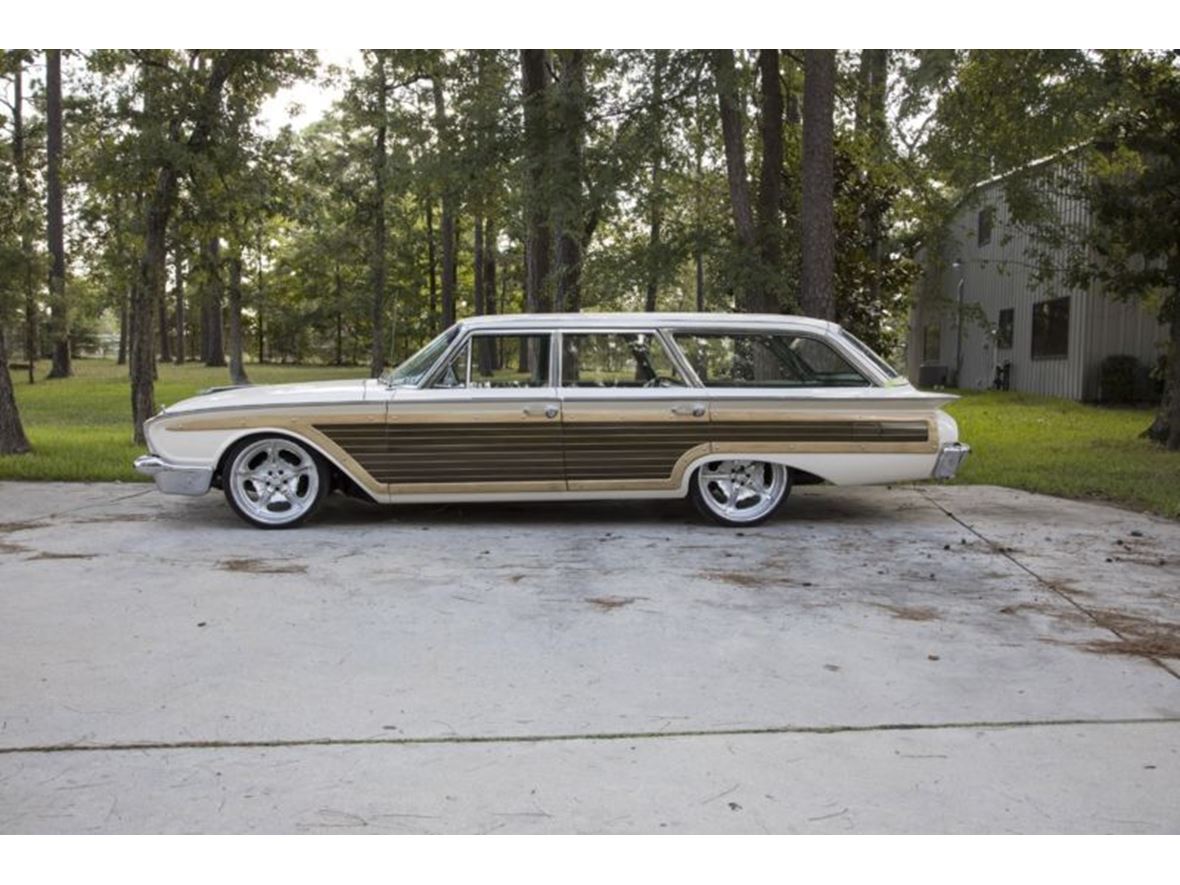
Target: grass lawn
[
  {"x": 1059, "y": 447},
  {"x": 80, "y": 429}
]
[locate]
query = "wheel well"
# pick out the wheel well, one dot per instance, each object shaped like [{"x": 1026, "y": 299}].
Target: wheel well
[{"x": 338, "y": 480}]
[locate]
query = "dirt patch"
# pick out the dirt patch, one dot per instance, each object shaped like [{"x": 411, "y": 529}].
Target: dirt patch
[
  {"x": 129, "y": 517},
  {"x": 1139, "y": 636},
  {"x": 746, "y": 579},
  {"x": 262, "y": 567},
  {"x": 44, "y": 554},
  {"x": 910, "y": 612},
  {"x": 609, "y": 603},
  {"x": 6, "y": 527},
  {"x": 5, "y": 547}
]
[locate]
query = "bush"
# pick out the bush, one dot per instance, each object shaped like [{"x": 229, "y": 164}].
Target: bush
[{"x": 1118, "y": 379}]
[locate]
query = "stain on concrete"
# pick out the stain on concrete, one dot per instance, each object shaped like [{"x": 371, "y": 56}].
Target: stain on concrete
[
  {"x": 262, "y": 567},
  {"x": 910, "y": 612},
  {"x": 8, "y": 527},
  {"x": 609, "y": 603},
  {"x": 45, "y": 554}
]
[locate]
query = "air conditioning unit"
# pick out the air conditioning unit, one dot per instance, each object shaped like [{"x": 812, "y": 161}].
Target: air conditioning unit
[{"x": 932, "y": 375}]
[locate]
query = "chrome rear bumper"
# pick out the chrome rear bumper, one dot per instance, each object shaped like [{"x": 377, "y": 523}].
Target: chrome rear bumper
[
  {"x": 949, "y": 458},
  {"x": 175, "y": 479}
]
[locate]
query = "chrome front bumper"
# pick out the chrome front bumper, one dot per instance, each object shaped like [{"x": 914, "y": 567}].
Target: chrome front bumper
[
  {"x": 949, "y": 458},
  {"x": 175, "y": 479}
]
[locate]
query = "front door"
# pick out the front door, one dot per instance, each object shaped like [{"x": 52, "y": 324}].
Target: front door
[
  {"x": 489, "y": 422},
  {"x": 630, "y": 420}
]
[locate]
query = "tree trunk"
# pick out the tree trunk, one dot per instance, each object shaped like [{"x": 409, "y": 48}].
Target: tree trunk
[
  {"x": 432, "y": 264},
  {"x": 237, "y": 369},
  {"x": 211, "y": 327},
  {"x": 489, "y": 271},
  {"x": 338, "y": 287},
  {"x": 58, "y": 307},
  {"x": 871, "y": 125},
  {"x": 377, "y": 268},
  {"x": 260, "y": 302},
  {"x": 178, "y": 258},
  {"x": 770, "y": 190},
  {"x": 144, "y": 296},
  {"x": 23, "y": 216},
  {"x": 656, "y": 195},
  {"x": 568, "y": 177},
  {"x": 447, "y": 226},
  {"x": 735, "y": 167},
  {"x": 12, "y": 434},
  {"x": 819, "y": 247},
  {"x": 124, "y": 325},
  {"x": 162, "y": 325},
  {"x": 534, "y": 94},
  {"x": 1165, "y": 430}
]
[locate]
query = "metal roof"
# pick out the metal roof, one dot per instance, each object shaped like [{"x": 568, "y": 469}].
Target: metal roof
[{"x": 630, "y": 320}]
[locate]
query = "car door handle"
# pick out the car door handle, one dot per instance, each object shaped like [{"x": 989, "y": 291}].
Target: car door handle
[
  {"x": 696, "y": 410},
  {"x": 549, "y": 411}
]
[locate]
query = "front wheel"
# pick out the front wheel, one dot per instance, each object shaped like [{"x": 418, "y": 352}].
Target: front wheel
[
  {"x": 274, "y": 482},
  {"x": 739, "y": 492}
]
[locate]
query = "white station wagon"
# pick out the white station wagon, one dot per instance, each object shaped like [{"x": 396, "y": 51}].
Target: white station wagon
[{"x": 731, "y": 410}]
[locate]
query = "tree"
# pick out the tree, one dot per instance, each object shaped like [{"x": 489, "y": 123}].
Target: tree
[
  {"x": 1134, "y": 194},
  {"x": 534, "y": 68},
  {"x": 58, "y": 305},
  {"x": 817, "y": 297},
  {"x": 722, "y": 62}
]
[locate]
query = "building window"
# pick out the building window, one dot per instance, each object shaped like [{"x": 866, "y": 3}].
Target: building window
[
  {"x": 1050, "y": 328},
  {"x": 932, "y": 343},
  {"x": 1004, "y": 328},
  {"x": 985, "y": 221}
]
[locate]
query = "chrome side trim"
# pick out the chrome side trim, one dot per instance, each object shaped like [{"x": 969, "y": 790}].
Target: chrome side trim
[
  {"x": 175, "y": 479},
  {"x": 950, "y": 456}
]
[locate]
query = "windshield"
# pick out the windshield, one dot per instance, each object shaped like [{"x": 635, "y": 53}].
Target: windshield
[
  {"x": 412, "y": 370},
  {"x": 867, "y": 351}
]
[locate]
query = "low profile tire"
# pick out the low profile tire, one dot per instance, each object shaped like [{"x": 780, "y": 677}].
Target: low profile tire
[
  {"x": 274, "y": 482},
  {"x": 739, "y": 492}
]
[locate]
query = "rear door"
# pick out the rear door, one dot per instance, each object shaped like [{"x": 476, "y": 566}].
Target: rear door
[{"x": 631, "y": 419}]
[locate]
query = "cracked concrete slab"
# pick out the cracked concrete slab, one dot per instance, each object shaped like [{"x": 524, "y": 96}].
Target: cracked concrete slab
[{"x": 128, "y": 617}]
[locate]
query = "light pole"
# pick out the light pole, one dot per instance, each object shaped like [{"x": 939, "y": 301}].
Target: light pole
[{"x": 958, "y": 265}]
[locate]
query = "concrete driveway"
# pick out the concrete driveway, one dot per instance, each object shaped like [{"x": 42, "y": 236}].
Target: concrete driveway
[{"x": 928, "y": 659}]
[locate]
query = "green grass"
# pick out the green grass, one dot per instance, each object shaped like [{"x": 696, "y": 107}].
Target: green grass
[
  {"x": 1059, "y": 447},
  {"x": 80, "y": 428}
]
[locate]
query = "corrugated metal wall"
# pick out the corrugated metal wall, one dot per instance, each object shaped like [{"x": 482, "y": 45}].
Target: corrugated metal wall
[{"x": 1001, "y": 274}]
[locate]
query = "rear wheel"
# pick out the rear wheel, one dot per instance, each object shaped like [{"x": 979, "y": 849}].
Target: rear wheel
[
  {"x": 274, "y": 482},
  {"x": 739, "y": 492}
]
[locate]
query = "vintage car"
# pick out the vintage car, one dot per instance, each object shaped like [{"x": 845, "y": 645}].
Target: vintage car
[{"x": 731, "y": 410}]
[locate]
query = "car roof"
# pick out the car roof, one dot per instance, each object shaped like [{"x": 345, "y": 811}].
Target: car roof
[{"x": 634, "y": 320}]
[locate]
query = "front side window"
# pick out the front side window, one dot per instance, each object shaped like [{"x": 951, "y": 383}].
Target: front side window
[
  {"x": 617, "y": 359},
  {"x": 497, "y": 361},
  {"x": 1050, "y": 328},
  {"x": 780, "y": 359}
]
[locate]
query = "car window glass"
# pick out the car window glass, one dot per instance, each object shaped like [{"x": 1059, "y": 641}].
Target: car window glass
[
  {"x": 509, "y": 361},
  {"x": 617, "y": 359},
  {"x": 747, "y": 359},
  {"x": 454, "y": 373}
]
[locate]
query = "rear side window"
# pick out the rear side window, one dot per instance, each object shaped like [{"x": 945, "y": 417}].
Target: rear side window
[
  {"x": 748, "y": 359},
  {"x": 616, "y": 359}
]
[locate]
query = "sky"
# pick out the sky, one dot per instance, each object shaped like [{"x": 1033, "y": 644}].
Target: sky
[{"x": 313, "y": 97}]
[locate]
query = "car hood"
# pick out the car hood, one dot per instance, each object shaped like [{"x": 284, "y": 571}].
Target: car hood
[{"x": 262, "y": 395}]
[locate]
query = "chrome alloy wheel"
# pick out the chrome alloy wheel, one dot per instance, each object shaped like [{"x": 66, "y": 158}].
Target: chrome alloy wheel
[
  {"x": 274, "y": 481},
  {"x": 741, "y": 492}
]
